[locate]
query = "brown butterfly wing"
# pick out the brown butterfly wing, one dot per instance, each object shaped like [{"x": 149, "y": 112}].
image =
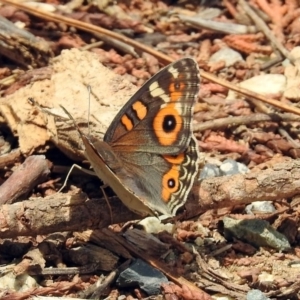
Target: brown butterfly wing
[
  {"x": 152, "y": 139},
  {"x": 158, "y": 118}
]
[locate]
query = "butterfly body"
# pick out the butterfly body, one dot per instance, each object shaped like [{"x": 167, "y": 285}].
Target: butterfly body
[{"x": 149, "y": 155}]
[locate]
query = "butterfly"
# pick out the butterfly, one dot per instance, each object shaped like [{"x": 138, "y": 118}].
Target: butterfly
[{"x": 149, "y": 154}]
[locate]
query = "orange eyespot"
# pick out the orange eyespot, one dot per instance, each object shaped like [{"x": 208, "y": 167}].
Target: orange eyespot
[
  {"x": 167, "y": 125},
  {"x": 176, "y": 89},
  {"x": 170, "y": 184}
]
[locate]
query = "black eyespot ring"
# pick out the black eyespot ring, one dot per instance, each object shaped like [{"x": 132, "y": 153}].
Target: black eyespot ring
[
  {"x": 177, "y": 85},
  {"x": 169, "y": 123}
]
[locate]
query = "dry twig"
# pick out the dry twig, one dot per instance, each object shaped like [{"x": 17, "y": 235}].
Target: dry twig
[
  {"x": 33, "y": 171},
  {"x": 275, "y": 180},
  {"x": 264, "y": 28}
]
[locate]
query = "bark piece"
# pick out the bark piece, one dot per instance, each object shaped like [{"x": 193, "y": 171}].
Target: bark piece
[
  {"x": 33, "y": 171},
  {"x": 71, "y": 72},
  {"x": 272, "y": 181},
  {"x": 23, "y": 47},
  {"x": 91, "y": 254},
  {"x": 146, "y": 241},
  {"x": 33, "y": 258},
  {"x": 59, "y": 212},
  {"x": 10, "y": 158},
  {"x": 99, "y": 238}
]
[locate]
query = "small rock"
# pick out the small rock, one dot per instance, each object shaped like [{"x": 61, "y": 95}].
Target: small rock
[
  {"x": 228, "y": 167},
  {"x": 199, "y": 241},
  {"x": 260, "y": 206},
  {"x": 20, "y": 283},
  {"x": 154, "y": 225},
  {"x": 209, "y": 170},
  {"x": 265, "y": 83},
  {"x": 228, "y": 55},
  {"x": 291, "y": 72},
  {"x": 143, "y": 275},
  {"x": 266, "y": 279},
  {"x": 262, "y": 84},
  {"x": 256, "y": 232},
  {"x": 200, "y": 229},
  {"x": 231, "y": 167},
  {"x": 256, "y": 295}
]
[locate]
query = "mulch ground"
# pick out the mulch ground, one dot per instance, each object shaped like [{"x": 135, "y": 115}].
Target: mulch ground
[{"x": 255, "y": 123}]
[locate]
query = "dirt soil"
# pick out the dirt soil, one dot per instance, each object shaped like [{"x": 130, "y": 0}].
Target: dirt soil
[{"x": 90, "y": 57}]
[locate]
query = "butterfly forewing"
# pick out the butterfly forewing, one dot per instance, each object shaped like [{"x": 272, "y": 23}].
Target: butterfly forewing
[{"x": 160, "y": 113}]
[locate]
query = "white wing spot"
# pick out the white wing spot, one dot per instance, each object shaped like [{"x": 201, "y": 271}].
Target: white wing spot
[
  {"x": 174, "y": 72},
  {"x": 156, "y": 91}
]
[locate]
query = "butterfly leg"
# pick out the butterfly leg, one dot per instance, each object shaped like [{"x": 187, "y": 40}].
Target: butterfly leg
[
  {"x": 102, "y": 187},
  {"x": 69, "y": 173}
]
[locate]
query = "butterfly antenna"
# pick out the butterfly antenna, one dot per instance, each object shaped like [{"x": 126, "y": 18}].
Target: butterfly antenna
[
  {"x": 89, "y": 108},
  {"x": 34, "y": 103},
  {"x": 73, "y": 120}
]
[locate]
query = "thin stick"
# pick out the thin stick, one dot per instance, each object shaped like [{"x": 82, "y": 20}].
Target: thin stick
[
  {"x": 89, "y": 108},
  {"x": 243, "y": 120},
  {"x": 265, "y": 29}
]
